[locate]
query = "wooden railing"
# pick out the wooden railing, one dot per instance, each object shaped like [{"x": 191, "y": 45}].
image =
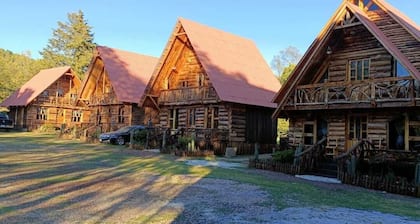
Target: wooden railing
[
  {"x": 187, "y": 95},
  {"x": 104, "y": 99},
  {"x": 307, "y": 159},
  {"x": 386, "y": 89},
  {"x": 359, "y": 151}
]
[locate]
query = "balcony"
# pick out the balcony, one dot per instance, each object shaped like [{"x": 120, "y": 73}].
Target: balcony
[
  {"x": 103, "y": 99},
  {"x": 188, "y": 95},
  {"x": 373, "y": 92}
]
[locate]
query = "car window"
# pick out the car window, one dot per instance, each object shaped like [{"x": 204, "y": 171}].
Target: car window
[
  {"x": 124, "y": 129},
  {"x": 4, "y": 116}
]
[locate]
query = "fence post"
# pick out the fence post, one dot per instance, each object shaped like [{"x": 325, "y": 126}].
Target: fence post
[
  {"x": 164, "y": 140},
  {"x": 256, "y": 150}
]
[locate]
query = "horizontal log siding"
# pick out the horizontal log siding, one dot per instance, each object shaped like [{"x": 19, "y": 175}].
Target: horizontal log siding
[
  {"x": 359, "y": 43},
  {"x": 336, "y": 132},
  {"x": 399, "y": 36}
]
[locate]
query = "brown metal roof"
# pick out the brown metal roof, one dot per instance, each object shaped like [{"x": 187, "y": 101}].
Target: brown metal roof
[
  {"x": 35, "y": 86},
  {"x": 317, "y": 47},
  {"x": 234, "y": 65},
  {"x": 128, "y": 72}
]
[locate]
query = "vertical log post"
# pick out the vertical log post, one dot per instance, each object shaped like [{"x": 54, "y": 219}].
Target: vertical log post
[{"x": 256, "y": 150}]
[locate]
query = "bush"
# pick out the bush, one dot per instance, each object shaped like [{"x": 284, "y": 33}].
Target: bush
[
  {"x": 285, "y": 156},
  {"x": 46, "y": 128},
  {"x": 140, "y": 136},
  {"x": 183, "y": 142}
]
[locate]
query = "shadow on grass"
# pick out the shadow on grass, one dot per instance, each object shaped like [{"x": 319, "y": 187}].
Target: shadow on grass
[{"x": 69, "y": 181}]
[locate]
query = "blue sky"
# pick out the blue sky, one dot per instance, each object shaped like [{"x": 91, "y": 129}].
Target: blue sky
[{"x": 144, "y": 26}]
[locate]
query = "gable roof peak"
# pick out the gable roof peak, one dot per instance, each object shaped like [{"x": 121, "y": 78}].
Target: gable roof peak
[{"x": 234, "y": 65}]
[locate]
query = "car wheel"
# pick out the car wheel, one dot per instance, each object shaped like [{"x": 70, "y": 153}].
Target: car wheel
[{"x": 120, "y": 140}]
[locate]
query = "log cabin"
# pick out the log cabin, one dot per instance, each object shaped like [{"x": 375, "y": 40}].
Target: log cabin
[
  {"x": 46, "y": 99},
  {"x": 113, "y": 86},
  {"x": 358, "y": 80},
  {"x": 216, "y": 86}
]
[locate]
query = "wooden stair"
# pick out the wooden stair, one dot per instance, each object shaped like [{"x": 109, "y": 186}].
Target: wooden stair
[{"x": 327, "y": 168}]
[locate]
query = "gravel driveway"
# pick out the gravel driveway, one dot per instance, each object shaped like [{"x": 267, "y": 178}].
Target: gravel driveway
[{"x": 50, "y": 186}]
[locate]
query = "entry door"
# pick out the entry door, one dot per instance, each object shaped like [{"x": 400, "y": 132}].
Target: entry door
[{"x": 356, "y": 129}]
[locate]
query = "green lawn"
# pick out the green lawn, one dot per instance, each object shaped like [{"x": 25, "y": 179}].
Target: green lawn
[{"x": 46, "y": 160}]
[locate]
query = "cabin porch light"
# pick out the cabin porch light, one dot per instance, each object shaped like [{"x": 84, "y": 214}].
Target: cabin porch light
[{"x": 329, "y": 50}]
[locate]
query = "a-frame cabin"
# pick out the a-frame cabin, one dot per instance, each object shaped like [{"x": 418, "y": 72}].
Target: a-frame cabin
[
  {"x": 359, "y": 80},
  {"x": 48, "y": 98},
  {"x": 114, "y": 84},
  {"x": 216, "y": 86}
]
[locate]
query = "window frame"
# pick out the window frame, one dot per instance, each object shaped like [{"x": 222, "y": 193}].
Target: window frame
[{"x": 359, "y": 67}]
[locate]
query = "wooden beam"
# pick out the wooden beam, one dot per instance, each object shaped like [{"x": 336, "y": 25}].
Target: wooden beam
[
  {"x": 347, "y": 25},
  {"x": 154, "y": 102}
]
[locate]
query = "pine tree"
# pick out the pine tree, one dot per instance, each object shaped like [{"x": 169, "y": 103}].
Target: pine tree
[{"x": 72, "y": 44}]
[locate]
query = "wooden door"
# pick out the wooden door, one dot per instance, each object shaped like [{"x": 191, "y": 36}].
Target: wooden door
[{"x": 356, "y": 129}]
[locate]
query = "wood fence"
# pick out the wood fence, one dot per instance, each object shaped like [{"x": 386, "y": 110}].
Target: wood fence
[
  {"x": 396, "y": 186},
  {"x": 269, "y": 164}
]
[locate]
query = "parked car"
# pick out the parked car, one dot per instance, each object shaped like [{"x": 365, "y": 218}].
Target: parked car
[
  {"x": 120, "y": 136},
  {"x": 5, "y": 122}
]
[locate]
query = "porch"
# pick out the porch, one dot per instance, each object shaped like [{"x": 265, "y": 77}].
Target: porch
[
  {"x": 188, "y": 95},
  {"x": 383, "y": 92}
]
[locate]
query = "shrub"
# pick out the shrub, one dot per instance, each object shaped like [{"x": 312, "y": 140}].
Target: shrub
[
  {"x": 140, "y": 136},
  {"x": 285, "y": 156},
  {"x": 183, "y": 142}
]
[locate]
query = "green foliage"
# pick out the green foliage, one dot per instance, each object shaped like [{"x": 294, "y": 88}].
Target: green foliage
[
  {"x": 72, "y": 44},
  {"x": 15, "y": 70},
  {"x": 183, "y": 142},
  {"x": 47, "y": 128},
  {"x": 285, "y": 156},
  {"x": 286, "y": 73},
  {"x": 282, "y": 127},
  {"x": 284, "y": 62},
  {"x": 140, "y": 136}
]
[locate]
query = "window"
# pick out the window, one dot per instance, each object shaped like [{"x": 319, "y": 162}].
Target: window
[
  {"x": 358, "y": 127},
  {"x": 184, "y": 84},
  {"x": 191, "y": 117},
  {"x": 308, "y": 133},
  {"x": 212, "y": 117},
  {"x": 200, "y": 79},
  {"x": 60, "y": 93},
  {"x": 398, "y": 70},
  {"x": 45, "y": 93},
  {"x": 76, "y": 116},
  {"x": 359, "y": 69},
  {"x": 73, "y": 96},
  {"x": 121, "y": 115},
  {"x": 41, "y": 113},
  {"x": 173, "y": 118}
]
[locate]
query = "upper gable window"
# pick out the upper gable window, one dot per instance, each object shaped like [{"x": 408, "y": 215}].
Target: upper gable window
[
  {"x": 399, "y": 70},
  {"x": 60, "y": 93},
  {"x": 45, "y": 93},
  {"x": 359, "y": 69}
]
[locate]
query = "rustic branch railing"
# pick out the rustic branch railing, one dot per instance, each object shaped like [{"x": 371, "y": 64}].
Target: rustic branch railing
[
  {"x": 105, "y": 99},
  {"x": 187, "y": 94},
  {"x": 308, "y": 158},
  {"x": 357, "y": 151},
  {"x": 386, "y": 89}
]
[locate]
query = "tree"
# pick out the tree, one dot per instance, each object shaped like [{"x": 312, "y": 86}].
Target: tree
[
  {"x": 15, "y": 70},
  {"x": 72, "y": 44},
  {"x": 284, "y": 63}
]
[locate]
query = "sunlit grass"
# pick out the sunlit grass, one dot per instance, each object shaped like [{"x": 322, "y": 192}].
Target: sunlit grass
[{"x": 44, "y": 160}]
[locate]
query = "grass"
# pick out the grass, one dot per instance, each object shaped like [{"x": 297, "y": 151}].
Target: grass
[{"x": 71, "y": 161}]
